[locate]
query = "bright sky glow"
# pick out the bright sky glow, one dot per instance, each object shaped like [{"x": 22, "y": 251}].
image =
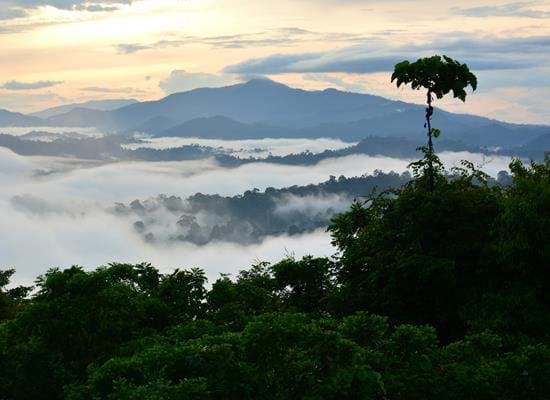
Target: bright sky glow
[{"x": 60, "y": 51}]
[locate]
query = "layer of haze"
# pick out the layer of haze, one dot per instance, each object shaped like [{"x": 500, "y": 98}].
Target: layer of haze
[
  {"x": 64, "y": 219},
  {"x": 257, "y": 148}
]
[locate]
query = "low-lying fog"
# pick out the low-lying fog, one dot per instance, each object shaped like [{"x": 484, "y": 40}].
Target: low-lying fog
[
  {"x": 20, "y": 131},
  {"x": 70, "y": 225},
  {"x": 257, "y": 148}
]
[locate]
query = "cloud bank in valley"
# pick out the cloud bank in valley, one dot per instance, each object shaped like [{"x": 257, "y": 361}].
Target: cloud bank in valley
[
  {"x": 69, "y": 224},
  {"x": 257, "y": 148}
]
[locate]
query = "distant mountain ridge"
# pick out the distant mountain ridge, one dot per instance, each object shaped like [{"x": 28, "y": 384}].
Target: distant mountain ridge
[
  {"x": 263, "y": 108},
  {"x": 8, "y": 118},
  {"x": 220, "y": 127},
  {"x": 102, "y": 105}
]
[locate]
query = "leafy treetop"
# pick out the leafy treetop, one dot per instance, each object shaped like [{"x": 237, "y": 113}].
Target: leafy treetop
[{"x": 440, "y": 75}]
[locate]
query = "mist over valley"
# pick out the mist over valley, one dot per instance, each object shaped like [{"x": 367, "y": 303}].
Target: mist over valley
[{"x": 213, "y": 183}]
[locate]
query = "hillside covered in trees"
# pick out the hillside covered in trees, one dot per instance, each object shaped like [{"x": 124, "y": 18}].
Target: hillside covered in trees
[
  {"x": 252, "y": 216},
  {"x": 436, "y": 292}
]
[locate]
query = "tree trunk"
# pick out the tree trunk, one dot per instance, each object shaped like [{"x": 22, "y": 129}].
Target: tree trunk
[{"x": 429, "y": 113}]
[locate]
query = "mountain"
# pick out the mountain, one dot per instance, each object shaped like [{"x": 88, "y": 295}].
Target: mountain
[
  {"x": 106, "y": 148},
  {"x": 226, "y": 128},
  {"x": 261, "y": 108},
  {"x": 85, "y": 117},
  {"x": 257, "y": 101},
  {"x": 487, "y": 134},
  {"x": 8, "y": 118},
  {"x": 156, "y": 125},
  {"x": 264, "y": 101},
  {"x": 535, "y": 149},
  {"x": 102, "y": 105}
]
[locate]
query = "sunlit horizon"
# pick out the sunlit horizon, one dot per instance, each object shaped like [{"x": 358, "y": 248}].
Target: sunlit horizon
[{"x": 58, "y": 52}]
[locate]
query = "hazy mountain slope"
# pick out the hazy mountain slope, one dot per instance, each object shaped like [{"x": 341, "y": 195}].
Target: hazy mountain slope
[
  {"x": 8, "y": 118},
  {"x": 327, "y": 113},
  {"x": 102, "y": 105},
  {"x": 84, "y": 117},
  {"x": 107, "y": 148},
  {"x": 227, "y": 128},
  {"x": 407, "y": 124},
  {"x": 263, "y": 101},
  {"x": 535, "y": 149},
  {"x": 156, "y": 125},
  {"x": 277, "y": 110}
]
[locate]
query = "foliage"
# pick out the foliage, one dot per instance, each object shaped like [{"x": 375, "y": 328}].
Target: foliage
[
  {"x": 434, "y": 294},
  {"x": 250, "y": 217},
  {"x": 439, "y": 76},
  {"x": 10, "y": 299}
]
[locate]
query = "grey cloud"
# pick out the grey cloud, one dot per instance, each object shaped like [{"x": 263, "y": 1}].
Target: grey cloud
[
  {"x": 313, "y": 62},
  {"x": 486, "y": 53},
  {"x": 12, "y": 9},
  {"x": 516, "y": 9},
  {"x": 229, "y": 41},
  {"x": 295, "y": 30},
  {"x": 357, "y": 87},
  {"x": 17, "y": 85},
  {"x": 276, "y": 63},
  {"x": 11, "y": 13},
  {"x": 281, "y": 37},
  {"x": 66, "y": 4},
  {"x": 99, "y": 89},
  {"x": 128, "y": 48},
  {"x": 95, "y": 8}
]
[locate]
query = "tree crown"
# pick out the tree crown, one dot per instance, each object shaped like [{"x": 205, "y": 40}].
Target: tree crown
[{"x": 438, "y": 74}]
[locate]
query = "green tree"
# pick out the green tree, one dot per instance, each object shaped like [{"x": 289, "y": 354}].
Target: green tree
[
  {"x": 439, "y": 76},
  {"x": 418, "y": 256},
  {"x": 12, "y": 299},
  {"x": 303, "y": 285},
  {"x": 77, "y": 318}
]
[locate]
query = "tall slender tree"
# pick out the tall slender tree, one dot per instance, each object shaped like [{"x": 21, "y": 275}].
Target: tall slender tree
[{"x": 439, "y": 75}]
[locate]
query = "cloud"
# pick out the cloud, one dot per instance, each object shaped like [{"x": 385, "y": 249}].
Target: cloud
[
  {"x": 67, "y": 4},
  {"x": 17, "y": 85},
  {"x": 11, "y": 13},
  {"x": 98, "y": 238},
  {"x": 258, "y": 148},
  {"x": 281, "y": 37},
  {"x": 99, "y": 89},
  {"x": 180, "y": 80},
  {"x": 61, "y": 214},
  {"x": 13, "y": 9},
  {"x": 379, "y": 55},
  {"x": 312, "y": 205},
  {"x": 64, "y": 219},
  {"x": 516, "y": 9},
  {"x": 130, "y": 48},
  {"x": 96, "y": 8},
  {"x": 357, "y": 86}
]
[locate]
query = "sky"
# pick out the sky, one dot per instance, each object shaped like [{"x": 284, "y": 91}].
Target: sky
[{"x": 61, "y": 51}]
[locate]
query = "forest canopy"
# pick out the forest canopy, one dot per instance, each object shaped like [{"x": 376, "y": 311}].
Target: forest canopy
[{"x": 433, "y": 294}]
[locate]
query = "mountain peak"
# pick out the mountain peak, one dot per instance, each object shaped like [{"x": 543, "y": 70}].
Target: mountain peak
[{"x": 264, "y": 82}]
